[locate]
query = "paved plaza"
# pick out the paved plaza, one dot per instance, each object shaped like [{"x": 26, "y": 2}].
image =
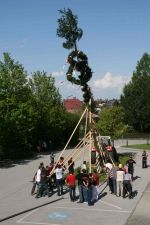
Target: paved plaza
[{"x": 15, "y": 187}]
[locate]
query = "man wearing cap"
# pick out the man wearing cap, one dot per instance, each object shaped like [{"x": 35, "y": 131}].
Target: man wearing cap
[{"x": 119, "y": 179}]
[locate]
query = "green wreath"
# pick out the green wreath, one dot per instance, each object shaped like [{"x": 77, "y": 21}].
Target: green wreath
[{"x": 80, "y": 65}]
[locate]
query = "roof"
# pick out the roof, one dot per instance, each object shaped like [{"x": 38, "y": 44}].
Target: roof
[{"x": 72, "y": 104}]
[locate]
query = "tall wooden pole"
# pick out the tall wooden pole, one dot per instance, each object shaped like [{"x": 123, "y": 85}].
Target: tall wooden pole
[{"x": 90, "y": 136}]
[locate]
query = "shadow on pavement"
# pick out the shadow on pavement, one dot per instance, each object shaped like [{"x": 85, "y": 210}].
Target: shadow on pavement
[
  {"x": 5, "y": 164},
  {"x": 102, "y": 195},
  {"x": 134, "y": 193},
  {"x": 135, "y": 178}
]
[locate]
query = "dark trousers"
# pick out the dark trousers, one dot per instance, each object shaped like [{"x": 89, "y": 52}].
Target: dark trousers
[
  {"x": 127, "y": 187},
  {"x": 72, "y": 193},
  {"x": 80, "y": 193},
  {"x": 89, "y": 196},
  {"x": 112, "y": 185},
  {"x": 59, "y": 183},
  {"x": 144, "y": 163},
  {"x": 43, "y": 189},
  {"x": 85, "y": 193},
  {"x": 131, "y": 171}
]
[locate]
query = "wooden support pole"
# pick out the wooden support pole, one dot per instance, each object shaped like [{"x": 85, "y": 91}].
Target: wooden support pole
[
  {"x": 79, "y": 145},
  {"x": 75, "y": 129},
  {"x": 90, "y": 145},
  {"x": 70, "y": 138}
]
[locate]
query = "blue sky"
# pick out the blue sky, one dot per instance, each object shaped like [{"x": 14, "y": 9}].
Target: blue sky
[{"x": 116, "y": 35}]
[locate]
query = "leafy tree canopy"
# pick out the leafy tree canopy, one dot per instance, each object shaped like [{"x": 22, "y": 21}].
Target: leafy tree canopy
[
  {"x": 136, "y": 96},
  {"x": 15, "y": 106},
  {"x": 112, "y": 122}
]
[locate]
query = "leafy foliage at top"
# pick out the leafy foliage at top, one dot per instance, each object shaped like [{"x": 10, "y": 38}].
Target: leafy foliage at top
[{"x": 68, "y": 28}]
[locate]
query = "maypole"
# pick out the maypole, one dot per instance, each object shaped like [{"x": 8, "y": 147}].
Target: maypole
[{"x": 78, "y": 61}]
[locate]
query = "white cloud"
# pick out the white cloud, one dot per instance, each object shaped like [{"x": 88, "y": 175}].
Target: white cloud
[
  {"x": 58, "y": 74},
  {"x": 110, "y": 81}
]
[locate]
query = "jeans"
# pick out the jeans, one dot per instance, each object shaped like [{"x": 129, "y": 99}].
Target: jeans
[
  {"x": 85, "y": 193},
  {"x": 80, "y": 193},
  {"x": 89, "y": 196},
  {"x": 59, "y": 183},
  {"x": 112, "y": 185},
  {"x": 72, "y": 192},
  {"x": 42, "y": 189},
  {"x": 127, "y": 187},
  {"x": 94, "y": 193}
]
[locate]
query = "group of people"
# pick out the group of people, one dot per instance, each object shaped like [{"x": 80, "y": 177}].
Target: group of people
[
  {"x": 43, "y": 145},
  {"x": 87, "y": 186},
  {"x": 120, "y": 178},
  {"x": 57, "y": 175}
]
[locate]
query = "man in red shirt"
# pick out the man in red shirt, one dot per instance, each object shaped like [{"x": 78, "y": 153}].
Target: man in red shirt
[{"x": 71, "y": 182}]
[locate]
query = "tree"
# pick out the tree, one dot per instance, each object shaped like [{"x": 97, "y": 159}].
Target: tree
[
  {"x": 136, "y": 96},
  {"x": 52, "y": 120},
  {"x": 111, "y": 122},
  {"x": 15, "y": 107},
  {"x": 31, "y": 109},
  {"x": 43, "y": 89},
  {"x": 47, "y": 104}
]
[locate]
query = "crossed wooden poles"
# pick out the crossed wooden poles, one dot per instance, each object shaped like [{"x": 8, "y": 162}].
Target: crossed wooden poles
[{"x": 90, "y": 140}]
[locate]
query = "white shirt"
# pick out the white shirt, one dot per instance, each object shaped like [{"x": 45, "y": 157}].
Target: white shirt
[
  {"x": 59, "y": 173},
  {"x": 84, "y": 167},
  {"x": 127, "y": 176},
  {"x": 108, "y": 165},
  {"x": 120, "y": 175},
  {"x": 38, "y": 176}
]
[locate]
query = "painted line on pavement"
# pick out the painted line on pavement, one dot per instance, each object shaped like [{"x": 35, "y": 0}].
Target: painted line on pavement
[
  {"x": 107, "y": 203},
  {"x": 98, "y": 210},
  {"x": 29, "y": 210},
  {"x": 20, "y": 220},
  {"x": 37, "y": 223}
]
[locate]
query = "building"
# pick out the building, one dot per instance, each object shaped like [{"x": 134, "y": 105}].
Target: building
[{"x": 73, "y": 104}]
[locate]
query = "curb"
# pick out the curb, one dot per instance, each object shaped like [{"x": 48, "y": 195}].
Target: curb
[{"x": 136, "y": 205}]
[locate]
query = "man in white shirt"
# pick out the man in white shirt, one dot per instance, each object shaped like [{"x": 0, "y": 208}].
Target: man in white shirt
[
  {"x": 38, "y": 180},
  {"x": 59, "y": 179}
]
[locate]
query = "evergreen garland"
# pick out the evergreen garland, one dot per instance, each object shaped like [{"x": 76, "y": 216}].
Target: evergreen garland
[{"x": 80, "y": 65}]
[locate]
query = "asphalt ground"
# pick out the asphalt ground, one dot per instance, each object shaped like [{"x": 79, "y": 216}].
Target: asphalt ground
[
  {"x": 15, "y": 187},
  {"x": 141, "y": 214}
]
